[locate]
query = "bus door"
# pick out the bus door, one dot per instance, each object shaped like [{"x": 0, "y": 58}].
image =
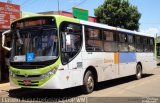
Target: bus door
[{"x": 71, "y": 44}]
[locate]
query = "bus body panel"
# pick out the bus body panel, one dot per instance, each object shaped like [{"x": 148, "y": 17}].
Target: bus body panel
[
  {"x": 127, "y": 64},
  {"x": 64, "y": 79},
  {"x": 105, "y": 65},
  {"x": 147, "y": 60},
  {"x": 94, "y": 59}
]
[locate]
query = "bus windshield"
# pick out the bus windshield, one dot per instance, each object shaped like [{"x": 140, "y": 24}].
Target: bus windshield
[{"x": 40, "y": 42}]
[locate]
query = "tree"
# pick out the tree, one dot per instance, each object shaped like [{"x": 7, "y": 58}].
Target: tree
[{"x": 118, "y": 13}]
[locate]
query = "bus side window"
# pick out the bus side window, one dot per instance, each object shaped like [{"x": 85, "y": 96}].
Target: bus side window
[
  {"x": 109, "y": 40},
  {"x": 146, "y": 45},
  {"x": 131, "y": 44},
  {"x": 122, "y": 45},
  {"x": 93, "y": 39},
  {"x": 151, "y": 43},
  {"x": 139, "y": 45}
]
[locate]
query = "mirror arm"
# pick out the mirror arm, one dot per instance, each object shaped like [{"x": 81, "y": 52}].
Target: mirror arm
[{"x": 3, "y": 40}]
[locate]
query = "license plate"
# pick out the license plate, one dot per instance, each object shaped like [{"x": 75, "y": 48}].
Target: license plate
[{"x": 27, "y": 82}]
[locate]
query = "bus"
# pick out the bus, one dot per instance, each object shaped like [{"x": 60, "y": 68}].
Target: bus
[{"x": 58, "y": 52}]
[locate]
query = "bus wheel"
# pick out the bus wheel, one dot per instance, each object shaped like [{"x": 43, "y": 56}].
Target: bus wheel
[
  {"x": 89, "y": 82},
  {"x": 138, "y": 71}
]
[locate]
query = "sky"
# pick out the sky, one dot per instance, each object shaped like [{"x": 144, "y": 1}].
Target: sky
[{"x": 150, "y": 10}]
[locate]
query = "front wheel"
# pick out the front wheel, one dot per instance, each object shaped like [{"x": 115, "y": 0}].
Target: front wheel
[
  {"x": 138, "y": 71},
  {"x": 89, "y": 83}
]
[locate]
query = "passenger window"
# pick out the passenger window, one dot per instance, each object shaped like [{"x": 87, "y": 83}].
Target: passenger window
[
  {"x": 122, "y": 37},
  {"x": 138, "y": 40},
  {"x": 108, "y": 36},
  {"x": 147, "y": 48},
  {"x": 93, "y": 39},
  {"x": 151, "y": 41},
  {"x": 109, "y": 42},
  {"x": 130, "y": 39},
  {"x": 145, "y": 40},
  {"x": 122, "y": 45},
  {"x": 110, "y": 46},
  {"x": 139, "y": 45},
  {"x": 131, "y": 45},
  {"x": 139, "y": 48}
]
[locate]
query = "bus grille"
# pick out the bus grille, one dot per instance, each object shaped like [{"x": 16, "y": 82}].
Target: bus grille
[
  {"x": 28, "y": 66},
  {"x": 33, "y": 83},
  {"x": 28, "y": 75}
]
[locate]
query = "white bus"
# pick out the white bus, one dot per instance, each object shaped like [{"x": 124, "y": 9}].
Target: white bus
[{"x": 57, "y": 52}]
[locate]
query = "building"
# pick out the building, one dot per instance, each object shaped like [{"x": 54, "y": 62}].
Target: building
[
  {"x": 65, "y": 13},
  {"x": 158, "y": 46},
  {"x": 8, "y": 13}
]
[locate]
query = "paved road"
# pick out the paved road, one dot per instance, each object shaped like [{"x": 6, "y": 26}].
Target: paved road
[{"x": 148, "y": 86}]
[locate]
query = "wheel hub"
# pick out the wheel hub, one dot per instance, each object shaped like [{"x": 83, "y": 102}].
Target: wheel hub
[
  {"x": 139, "y": 71},
  {"x": 90, "y": 82}
]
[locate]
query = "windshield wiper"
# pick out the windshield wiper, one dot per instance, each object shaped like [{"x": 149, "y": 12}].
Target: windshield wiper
[{"x": 19, "y": 38}]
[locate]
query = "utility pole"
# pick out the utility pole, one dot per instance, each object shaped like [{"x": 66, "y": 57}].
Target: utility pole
[
  {"x": 9, "y": 1},
  {"x": 58, "y": 6}
]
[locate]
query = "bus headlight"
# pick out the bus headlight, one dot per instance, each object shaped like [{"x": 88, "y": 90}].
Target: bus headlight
[
  {"x": 12, "y": 74},
  {"x": 48, "y": 74}
]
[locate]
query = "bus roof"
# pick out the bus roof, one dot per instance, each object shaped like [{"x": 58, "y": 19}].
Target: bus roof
[
  {"x": 58, "y": 17},
  {"x": 113, "y": 28},
  {"x": 89, "y": 23}
]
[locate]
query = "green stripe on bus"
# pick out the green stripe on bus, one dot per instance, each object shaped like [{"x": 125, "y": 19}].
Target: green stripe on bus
[{"x": 60, "y": 19}]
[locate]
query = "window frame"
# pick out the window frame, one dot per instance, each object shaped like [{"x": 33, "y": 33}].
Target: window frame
[
  {"x": 121, "y": 42},
  {"x": 100, "y": 38},
  {"x": 126, "y": 35},
  {"x": 152, "y": 44},
  {"x": 140, "y": 43},
  {"x": 133, "y": 42},
  {"x": 114, "y": 40}
]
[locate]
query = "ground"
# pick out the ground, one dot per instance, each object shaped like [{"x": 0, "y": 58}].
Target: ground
[{"x": 122, "y": 89}]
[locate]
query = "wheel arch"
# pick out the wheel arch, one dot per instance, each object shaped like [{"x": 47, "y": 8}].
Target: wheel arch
[{"x": 94, "y": 71}]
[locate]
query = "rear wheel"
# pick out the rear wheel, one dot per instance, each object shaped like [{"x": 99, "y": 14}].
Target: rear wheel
[
  {"x": 88, "y": 82},
  {"x": 138, "y": 71}
]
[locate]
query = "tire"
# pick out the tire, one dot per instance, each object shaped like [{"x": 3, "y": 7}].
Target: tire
[
  {"x": 88, "y": 82},
  {"x": 138, "y": 71}
]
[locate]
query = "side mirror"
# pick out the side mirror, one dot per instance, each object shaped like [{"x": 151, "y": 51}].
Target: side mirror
[{"x": 3, "y": 40}]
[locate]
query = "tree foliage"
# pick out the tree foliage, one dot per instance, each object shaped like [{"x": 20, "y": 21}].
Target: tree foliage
[{"x": 118, "y": 13}]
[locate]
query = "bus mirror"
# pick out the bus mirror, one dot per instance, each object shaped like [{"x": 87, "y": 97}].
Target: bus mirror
[{"x": 3, "y": 40}]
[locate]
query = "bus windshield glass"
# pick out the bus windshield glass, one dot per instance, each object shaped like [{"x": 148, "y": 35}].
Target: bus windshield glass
[{"x": 34, "y": 44}]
